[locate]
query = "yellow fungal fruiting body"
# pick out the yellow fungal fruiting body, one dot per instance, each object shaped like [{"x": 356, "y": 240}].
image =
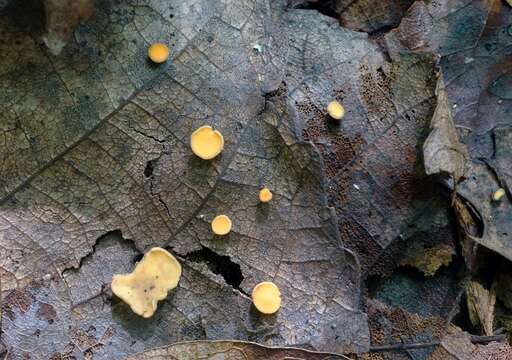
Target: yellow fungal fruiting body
[
  {"x": 158, "y": 53},
  {"x": 156, "y": 274},
  {"x": 265, "y": 195},
  {"x": 206, "y": 142},
  {"x": 266, "y": 297},
  {"x": 221, "y": 225},
  {"x": 335, "y": 110},
  {"x": 498, "y": 194}
]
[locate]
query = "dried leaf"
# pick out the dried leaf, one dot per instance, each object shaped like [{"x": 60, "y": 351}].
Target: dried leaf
[
  {"x": 481, "y": 304},
  {"x": 429, "y": 260},
  {"x": 458, "y": 346},
  {"x": 62, "y": 18},
  {"x": 440, "y": 26},
  {"x": 478, "y": 189},
  {"x": 442, "y": 151},
  {"x": 371, "y": 16},
  {"x": 229, "y": 350},
  {"x": 99, "y": 169}
]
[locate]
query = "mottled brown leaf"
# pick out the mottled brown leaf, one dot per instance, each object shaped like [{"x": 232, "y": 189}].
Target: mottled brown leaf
[
  {"x": 481, "y": 303},
  {"x": 62, "y": 18},
  {"x": 458, "y": 346},
  {"x": 428, "y": 260},
  {"x": 99, "y": 170}
]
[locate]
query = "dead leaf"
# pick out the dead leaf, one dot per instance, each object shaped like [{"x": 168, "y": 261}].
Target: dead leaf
[
  {"x": 442, "y": 151},
  {"x": 230, "y": 350},
  {"x": 481, "y": 304},
  {"x": 458, "y": 346},
  {"x": 62, "y": 18},
  {"x": 428, "y": 260},
  {"x": 99, "y": 169},
  {"x": 442, "y": 27}
]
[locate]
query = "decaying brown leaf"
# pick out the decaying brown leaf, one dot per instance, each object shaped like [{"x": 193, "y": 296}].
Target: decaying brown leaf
[
  {"x": 99, "y": 169},
  {"x": 428, "y": 260},
  {"x": 442, "y": 151},
  {"x": 481, "y": 303},
  {"x": 62, "y": 18},
  {"x": 230, "y": 350},
  {"x": 458, "y": 346}
]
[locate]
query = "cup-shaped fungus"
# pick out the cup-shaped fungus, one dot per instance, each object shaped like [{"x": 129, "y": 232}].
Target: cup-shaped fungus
[
  {"x": 221, "y": 225},
  {"x": 266, "y": 297},
  {"x": 206, "y": 142},
  {"x": 498, "y": 194},
  {"x": 156, "y": 274},
  {"x": 335, "y": 110},
  {"x": 265, "y": 195},
  {"x": 158, "y": 53}
]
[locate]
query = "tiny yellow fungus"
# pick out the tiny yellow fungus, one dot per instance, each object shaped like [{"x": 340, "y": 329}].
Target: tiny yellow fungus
[
  {"x": 265, "y": 195},
  {"x": 158, "y": 53},
  {"x": 206, "y": 142},
  {"x": 266, "y": 297},
  {"x": 335, "y": 110},
  {"x": 156, "y": 274},
  {"x": 498, "y": 194},
  {"x": 221, "y": 225}
]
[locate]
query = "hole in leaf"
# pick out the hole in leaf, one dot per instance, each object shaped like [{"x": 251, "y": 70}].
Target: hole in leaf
[
  {"x": 219, "y": 264},
  {"x": 148, "y": 170}
]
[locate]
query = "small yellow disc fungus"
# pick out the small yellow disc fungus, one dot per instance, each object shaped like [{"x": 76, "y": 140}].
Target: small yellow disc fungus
[
  {"x": 206, "y": 142},
  {"x": 156, "y": 274},
  {"x": 335, "y": 110},
  {"x": 221, "y": 225},
  {"x": 265, "y": 195},
  {"x": 158, "y": 53},
  {"x": 266, "y": 297},
  {"x": 498, "y": 194}
]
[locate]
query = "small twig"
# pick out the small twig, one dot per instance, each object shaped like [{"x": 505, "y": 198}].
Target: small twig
[{"x": 474, "y": 339}]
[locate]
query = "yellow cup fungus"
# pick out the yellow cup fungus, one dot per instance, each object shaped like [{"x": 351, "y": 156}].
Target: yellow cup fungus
[
  {"x": 158, "y": 53},
  {"x": 265, "y": 195},
  {"x": 206, "y": 142},
  {"x": 335, "y": 110},
  {"x": 266, "y": 297},
  {"x": 498, "y": 194},
  {"x": 156, "y": 274},
  {"x": 221, "y": 225}
]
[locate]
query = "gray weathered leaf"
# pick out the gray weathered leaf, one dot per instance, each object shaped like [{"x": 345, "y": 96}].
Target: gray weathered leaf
[
  {"x": 483, "y": 180},
  {"x": 458, "y": 346},
  {"x": 442, "y": 151},
  {"x": 98, "y": 141},
  {"x": 229, "y": 350}
]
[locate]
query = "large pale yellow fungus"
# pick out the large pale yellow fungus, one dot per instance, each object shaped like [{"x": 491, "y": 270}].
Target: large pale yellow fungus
[
  {"x": 158, "y": 53},
  {"x": 265, "y": 195},
  {"x": 221, "y": 225},
  {"x": 498, "y": 194},
  {"x": 335, "y": 110},
  {"x": 266, "y": 297},
  {"x": 206, "y": 142},
  {"x": 156, "y": 274}
]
